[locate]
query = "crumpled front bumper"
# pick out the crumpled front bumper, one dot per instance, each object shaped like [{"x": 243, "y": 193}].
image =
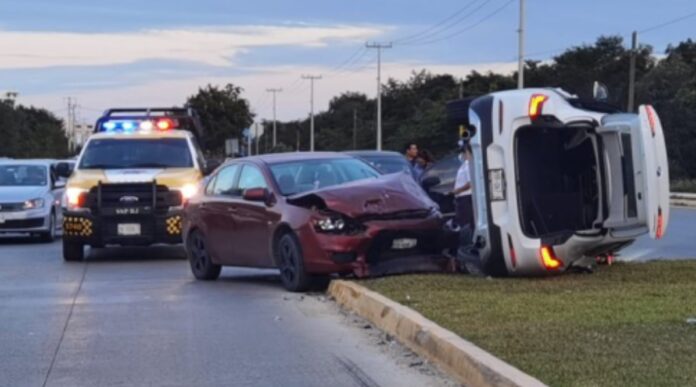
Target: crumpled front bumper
[{"x": 373, "y": 252}]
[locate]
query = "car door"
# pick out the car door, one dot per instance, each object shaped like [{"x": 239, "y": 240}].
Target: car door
[
  {"x": 254, "y": 220},
  {"x": 637, "y": 172},
  {"x": 216, "y": 214}
]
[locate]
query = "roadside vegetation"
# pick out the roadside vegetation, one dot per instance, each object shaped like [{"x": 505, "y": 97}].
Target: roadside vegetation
[
  {"x": 684, "y": 185},
  {"x": 625, "y": 325}
]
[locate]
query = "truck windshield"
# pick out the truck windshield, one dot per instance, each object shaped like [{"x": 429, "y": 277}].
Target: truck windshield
[{"x": 137, "y": 153}]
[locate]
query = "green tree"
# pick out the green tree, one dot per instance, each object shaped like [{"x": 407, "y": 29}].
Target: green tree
[
  {"x": 224, "y": 114},
  {"x": 29, "y": 132}
]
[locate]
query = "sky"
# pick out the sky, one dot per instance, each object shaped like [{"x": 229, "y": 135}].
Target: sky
[{"x": 158, "y": 52}]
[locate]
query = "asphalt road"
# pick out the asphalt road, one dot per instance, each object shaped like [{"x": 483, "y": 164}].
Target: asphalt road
[
  {"x": 136, "y": 317},
  {"x": 679, "y": 241}
]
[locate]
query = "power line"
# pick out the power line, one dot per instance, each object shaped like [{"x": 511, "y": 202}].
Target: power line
[
  {"x": 465, "y": 29},
  {"x": 440, "y": 24},
  {"x": 667, "y": 23}
]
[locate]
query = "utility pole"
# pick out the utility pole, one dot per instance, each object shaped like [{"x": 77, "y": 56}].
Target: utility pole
[
  {"x": 311, "y": 78},
  {"x": 70, "y": 123},
  {"x": 379, "y": 47},
  {"x": 632, "y": 73},
  {"x": 355, "y": 129},
  {"x": 256, "y": 136},
  {"x": 274, "y": 91},
  {"x": 520, "y": 59}
]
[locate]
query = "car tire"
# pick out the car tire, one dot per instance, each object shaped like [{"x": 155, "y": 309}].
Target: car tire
[
  {"x": 288, "y": 254},
  {"x": 202, "y": 266},
  {"x": 73, "y": 251},
  {"x": 50, "y": 235}
]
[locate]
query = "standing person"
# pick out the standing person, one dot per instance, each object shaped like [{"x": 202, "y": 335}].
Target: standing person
[
  {"x": 464, "y": 214},
  {"x": 411, "y": 154}
]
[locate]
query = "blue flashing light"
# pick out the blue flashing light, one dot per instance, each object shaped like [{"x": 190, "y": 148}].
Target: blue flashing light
[
  {"x": 109, "y": 125},
  {"x": 127, "y": 126}
]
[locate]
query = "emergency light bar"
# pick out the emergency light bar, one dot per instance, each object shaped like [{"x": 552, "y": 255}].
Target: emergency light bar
[{"x": 130, "y": 120}]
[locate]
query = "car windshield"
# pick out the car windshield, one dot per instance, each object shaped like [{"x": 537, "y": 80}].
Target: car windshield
[
  {"x": 387, "y": 164},
  {"x": 307, "y": 175},
  {"x": 23, "y": 175},
  {"x": 137, "y": 153}
]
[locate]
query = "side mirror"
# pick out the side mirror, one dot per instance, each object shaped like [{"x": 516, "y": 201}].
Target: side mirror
[
  {"x": 64, "y": 170},
  {"x": 430, "y": 182},
  {"x": 59, "y": 184},
  {"x": 210, "y": 166},
  {"x": 256, "y": 195}
]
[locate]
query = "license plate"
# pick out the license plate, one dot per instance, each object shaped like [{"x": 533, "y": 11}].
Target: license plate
[
  {"x": 404, "y": 243},
  {"x": 129, "y": 229},
  {"x": 496, "y": 178}
]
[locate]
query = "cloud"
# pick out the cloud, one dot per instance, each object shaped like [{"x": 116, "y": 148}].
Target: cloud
[
  {"x": 210, "y": 46},
  {"x": 292, "y": 103}
]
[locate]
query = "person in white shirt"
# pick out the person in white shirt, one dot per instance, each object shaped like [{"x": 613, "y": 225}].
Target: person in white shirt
[{"x": 464, "y": 211}]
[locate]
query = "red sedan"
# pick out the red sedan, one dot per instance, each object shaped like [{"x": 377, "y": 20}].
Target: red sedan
[{"x": 312, "y": 215}]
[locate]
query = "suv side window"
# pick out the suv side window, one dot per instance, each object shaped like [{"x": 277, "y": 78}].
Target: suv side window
[
  {"x": 251, "y": 177},
  {"x": 225, "y": 181}
]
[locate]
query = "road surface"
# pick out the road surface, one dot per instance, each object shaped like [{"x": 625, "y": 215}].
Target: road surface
[
  {"x": 679, "y": 241},
  {"x": 136, "y": 317}
]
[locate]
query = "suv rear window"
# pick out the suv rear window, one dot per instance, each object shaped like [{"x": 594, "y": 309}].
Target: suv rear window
[{"x": 137, "y": 153}]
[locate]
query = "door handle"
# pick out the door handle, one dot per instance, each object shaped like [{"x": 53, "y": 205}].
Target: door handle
[{"x": 231, "y": 209}]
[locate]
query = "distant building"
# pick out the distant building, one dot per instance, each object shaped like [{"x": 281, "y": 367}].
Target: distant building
[{"x": 78, "y": 135}]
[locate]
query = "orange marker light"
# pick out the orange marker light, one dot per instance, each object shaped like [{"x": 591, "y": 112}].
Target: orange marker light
[
  {"x": 548, "y": 258},
  {"x": 651, "y": 118},
  {"x": 659, "y": 228},
  {"x": 536, "y": 104}
]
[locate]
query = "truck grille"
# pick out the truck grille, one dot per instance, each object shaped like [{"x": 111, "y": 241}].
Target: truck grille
[{"x": 145, "y": 195}]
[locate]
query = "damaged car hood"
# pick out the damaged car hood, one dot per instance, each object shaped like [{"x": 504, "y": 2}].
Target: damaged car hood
[{"x": 370, "y": 198}]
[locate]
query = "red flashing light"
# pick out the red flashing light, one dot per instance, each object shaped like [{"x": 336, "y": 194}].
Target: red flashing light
[
  {"x": 549, "y": 259},
  {"x": 536, "y": 104},
  {"x": 164, "y": 124}
]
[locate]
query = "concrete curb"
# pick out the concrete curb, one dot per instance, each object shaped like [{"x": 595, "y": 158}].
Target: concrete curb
[{"x": 466, "y": 362}]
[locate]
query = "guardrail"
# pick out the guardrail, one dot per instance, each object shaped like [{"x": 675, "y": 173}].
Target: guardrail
[{"x": 683, "y": 199}]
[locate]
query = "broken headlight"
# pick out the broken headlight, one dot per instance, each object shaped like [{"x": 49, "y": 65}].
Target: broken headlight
[{"x": 336, "y": 224}]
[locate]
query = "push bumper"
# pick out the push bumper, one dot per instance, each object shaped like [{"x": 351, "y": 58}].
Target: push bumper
[{"x": 92, "y": 230}]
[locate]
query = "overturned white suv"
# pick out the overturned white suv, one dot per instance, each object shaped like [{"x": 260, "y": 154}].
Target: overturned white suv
[{"x": 558, "y": 181}]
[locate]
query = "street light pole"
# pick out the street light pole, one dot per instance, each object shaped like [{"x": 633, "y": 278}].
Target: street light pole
[
  {"x": 311, "y": 78},
  {"x": 274, "y": 91},
  {"x": 379, "y": 48}
]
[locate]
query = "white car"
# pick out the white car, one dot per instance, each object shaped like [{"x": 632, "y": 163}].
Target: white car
[
  {"x": 558, "y": 181},
  {"x": 30, "y": 198}
]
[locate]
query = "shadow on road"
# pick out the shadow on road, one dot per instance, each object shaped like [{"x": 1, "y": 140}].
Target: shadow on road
[
  {"x": 133, "y": 254},
  {"x": 19, "y": 239}
]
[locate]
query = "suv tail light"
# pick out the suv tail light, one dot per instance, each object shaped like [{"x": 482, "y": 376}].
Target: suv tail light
[{"x": 549, "y": 259}]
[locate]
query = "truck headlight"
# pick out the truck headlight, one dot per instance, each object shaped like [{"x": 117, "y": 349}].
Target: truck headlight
[
  {"x": 33, "y": 204},
  {"x": 75, "y": 198},
  {"x": 188, "y": 191}
]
